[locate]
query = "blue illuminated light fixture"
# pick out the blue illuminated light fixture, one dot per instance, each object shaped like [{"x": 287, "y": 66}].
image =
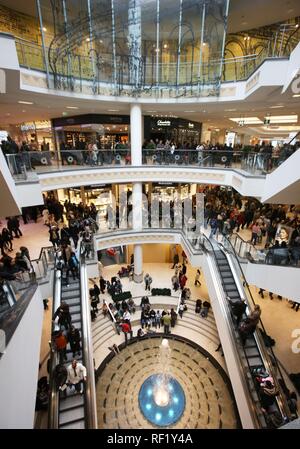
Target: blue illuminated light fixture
[{"x": 171, "y": 406}]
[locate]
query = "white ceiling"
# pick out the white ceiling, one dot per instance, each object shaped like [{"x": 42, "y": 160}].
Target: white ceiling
[{"x": 216, "y": 115}]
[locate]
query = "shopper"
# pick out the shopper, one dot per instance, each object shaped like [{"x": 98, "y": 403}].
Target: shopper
[
  {"x": 76, "y": 376},
  {"x": 166, "y": 319},
  {"x": 64, "y": 316},
  {"x": 238, "y": 309},
  {"x": 175, "y": 283},
  {"x": 148, "y": 281},
  {"x": 173, "y": 317},
  {"x": 126, "y": 329},
  {"x": 183, "y": 281},
  {"x": 197, "y": 277},
  {"x": 74, "y": 339},
  {"x": 60, "y": 344}
]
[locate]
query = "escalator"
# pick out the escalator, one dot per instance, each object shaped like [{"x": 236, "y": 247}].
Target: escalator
[
  {"x": 71, "y": 409},
  {"x": 254, "y": 356},
  {"x": 252, "y": 352},
  {"x": 75, "y": 411}
]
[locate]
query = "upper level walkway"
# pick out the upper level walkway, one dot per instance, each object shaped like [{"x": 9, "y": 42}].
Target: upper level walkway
[{"x": 247, "y": 172}]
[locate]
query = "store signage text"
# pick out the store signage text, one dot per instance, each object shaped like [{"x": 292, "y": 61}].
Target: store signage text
[
  {"x": 29, "y": 126},
  {"x": 163, "y": 123}
]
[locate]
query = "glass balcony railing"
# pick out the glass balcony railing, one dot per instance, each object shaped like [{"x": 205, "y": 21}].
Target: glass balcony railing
[
  {"x": 288, "y": 256},
  {"x": 97, "y": 78},
  {"x": 24, "y": 164}
]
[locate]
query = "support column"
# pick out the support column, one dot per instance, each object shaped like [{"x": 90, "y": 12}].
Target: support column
[
  {"x": 137, "y": 203},
  {"x": 82, "y": 195},
  {"x": 136, "y": 134},
  {"x": 138, "y": 263},
  {"x": 137, "y": 224}
]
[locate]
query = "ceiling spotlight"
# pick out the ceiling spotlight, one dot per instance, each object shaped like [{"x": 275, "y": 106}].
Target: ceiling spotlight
[
  {"x": 113, "y": 110},
  {"x": 72, "y": 107},
  {"x": 296, "y": 95},
  {"x": 101, "y": 41},
  {"x": 44, "y": 29},
  {"x": 165, "y": 45},
  {"x": 25, "y": 102},
  {"x": 88, "y": 39}
]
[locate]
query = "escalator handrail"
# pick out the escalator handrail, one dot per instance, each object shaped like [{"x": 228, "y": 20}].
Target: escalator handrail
[
  {"x": 87, "y": 349},
  {"x": 284, "y": 406},
  {"x": 245, "y": 379},
  {"x": 53, "y": 408}
]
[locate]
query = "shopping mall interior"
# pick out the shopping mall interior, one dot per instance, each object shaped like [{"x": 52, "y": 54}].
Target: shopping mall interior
[{"x": 150, "y": 214}]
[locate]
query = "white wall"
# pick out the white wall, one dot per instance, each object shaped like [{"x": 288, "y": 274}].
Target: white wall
[
  {"x": 283, "y": 185},
  {"x": 29, "y": 194},
  {"x": 19, "y": 369},
  {"x": 9, "y": 204},
  {"x": 284, "y": 281},
  {"x": 9, "y": 57}
]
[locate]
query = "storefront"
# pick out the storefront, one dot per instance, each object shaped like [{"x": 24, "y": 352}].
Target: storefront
[
  {"x": 38, "y": 135},
  {"x": 169, "y": 191},
  {"x": 78, "y": 131},
  {"x": 179, "y": 130}
]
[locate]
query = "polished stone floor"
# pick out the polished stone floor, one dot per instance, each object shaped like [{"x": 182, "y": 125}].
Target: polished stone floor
[{"x": 209, "y": 404}]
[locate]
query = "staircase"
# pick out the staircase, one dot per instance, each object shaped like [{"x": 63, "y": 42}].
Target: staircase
[{"x": 202, "y": 331}]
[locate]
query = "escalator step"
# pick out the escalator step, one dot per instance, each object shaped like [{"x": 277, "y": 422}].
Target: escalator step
[
  {"x": 252, "y": 352},
  {"x": 254, "y": 361},
  {"x": 71, "y": 401},
  {"x": 71, "y": 415},
  {"x": 228, "y": 280}
]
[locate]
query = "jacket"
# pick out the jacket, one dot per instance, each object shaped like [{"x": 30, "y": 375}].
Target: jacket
[{"x": 76, "y": 375}]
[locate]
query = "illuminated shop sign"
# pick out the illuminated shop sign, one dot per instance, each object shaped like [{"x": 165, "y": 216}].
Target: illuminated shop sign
[
  {"x": 28, "y": 126},
  {"x": 32, "y": 126},
  {"x": 163, "y": 123}
]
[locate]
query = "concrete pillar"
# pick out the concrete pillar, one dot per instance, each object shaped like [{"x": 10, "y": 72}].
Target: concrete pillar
[
  {"x": 136, "y": 134},
  {"x": 82, "y": 195},
  {"x": 137, "y": 224},
  {"x": 138, "y": 263}
]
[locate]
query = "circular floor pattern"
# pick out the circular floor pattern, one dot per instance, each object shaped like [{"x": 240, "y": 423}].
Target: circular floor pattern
[
  {"x": 168, "y": 413},
  {"x": 208, "y": 401}
]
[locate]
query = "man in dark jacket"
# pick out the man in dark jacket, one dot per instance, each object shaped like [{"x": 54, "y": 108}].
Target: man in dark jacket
[
  {"x": 238, "y": 309},
  {"x": 74, "y": 340}
]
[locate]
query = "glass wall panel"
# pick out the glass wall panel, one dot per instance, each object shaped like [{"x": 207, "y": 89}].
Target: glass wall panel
[{"x": 136, "y": 47}]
